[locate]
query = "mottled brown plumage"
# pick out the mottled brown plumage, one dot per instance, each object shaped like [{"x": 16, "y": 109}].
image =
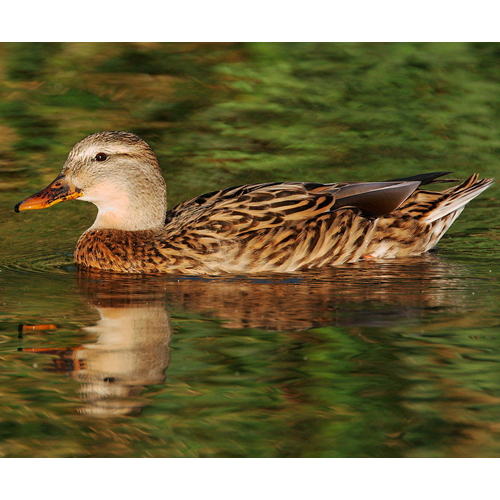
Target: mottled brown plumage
[{"x": 278, "y": 227}]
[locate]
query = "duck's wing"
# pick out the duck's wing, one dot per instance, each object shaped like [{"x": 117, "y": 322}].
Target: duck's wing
[{"x": 257, "y": 206}]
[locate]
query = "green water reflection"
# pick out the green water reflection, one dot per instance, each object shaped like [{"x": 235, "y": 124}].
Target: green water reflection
[{"x": 376, "y": 359}]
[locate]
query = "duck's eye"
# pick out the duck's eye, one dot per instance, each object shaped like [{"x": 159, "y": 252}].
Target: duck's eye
[{"x": 100, "y": 156}]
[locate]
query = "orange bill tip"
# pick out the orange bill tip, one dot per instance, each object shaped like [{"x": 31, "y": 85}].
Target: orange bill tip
[{"x": 61, "y": 189}]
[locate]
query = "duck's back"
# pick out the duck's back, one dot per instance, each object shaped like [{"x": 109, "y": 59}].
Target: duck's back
[{"x": 283, "y": 227}]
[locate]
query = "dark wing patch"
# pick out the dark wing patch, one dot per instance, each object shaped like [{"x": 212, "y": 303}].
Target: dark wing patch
[
  {"x": 427, "y": 178},
  {"x": 375, "y": 199}
]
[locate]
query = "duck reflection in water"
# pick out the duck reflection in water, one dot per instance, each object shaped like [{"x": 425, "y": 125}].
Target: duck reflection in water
[
  {"x": 130, "y": 349},
  {"x": 132, "y": 337}
]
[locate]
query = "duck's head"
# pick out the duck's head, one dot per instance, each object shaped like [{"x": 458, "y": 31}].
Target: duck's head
[{"x": 119, "y": 173}]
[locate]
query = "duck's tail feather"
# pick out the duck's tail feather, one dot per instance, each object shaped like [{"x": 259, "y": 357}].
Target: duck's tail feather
[{"x": 456, "y": 198}]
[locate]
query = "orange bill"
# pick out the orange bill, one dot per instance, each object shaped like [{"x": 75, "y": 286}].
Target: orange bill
[{"x": 61, "y": 189}]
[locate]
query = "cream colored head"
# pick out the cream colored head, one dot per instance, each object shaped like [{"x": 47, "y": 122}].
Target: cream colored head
[{"x": 120, "y": 174}]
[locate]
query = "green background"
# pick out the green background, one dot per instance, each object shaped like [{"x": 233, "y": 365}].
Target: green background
[{"x": 396, "y": 358}]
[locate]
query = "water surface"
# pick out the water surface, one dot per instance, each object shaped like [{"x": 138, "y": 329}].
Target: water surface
[{"x": 395, "y": 358}]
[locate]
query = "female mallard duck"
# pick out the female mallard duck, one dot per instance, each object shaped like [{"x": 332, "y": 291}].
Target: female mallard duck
[{"x": 276, "y": 226}]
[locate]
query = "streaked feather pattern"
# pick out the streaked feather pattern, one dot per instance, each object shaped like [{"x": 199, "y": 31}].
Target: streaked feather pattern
[{"x": 281, "y": 227}]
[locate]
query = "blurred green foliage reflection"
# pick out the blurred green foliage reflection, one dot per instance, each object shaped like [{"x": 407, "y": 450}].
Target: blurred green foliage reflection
[{"x": 376, "y": 359}]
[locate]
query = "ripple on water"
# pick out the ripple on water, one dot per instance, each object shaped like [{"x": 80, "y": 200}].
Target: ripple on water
[{"x": 40, "y": 263}]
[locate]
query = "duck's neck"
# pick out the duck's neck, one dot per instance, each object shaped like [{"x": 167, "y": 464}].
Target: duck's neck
[{"x": 119, "y": 209}]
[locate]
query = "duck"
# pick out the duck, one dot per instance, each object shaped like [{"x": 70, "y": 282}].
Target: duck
[{"x": 255, "y": 228}]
